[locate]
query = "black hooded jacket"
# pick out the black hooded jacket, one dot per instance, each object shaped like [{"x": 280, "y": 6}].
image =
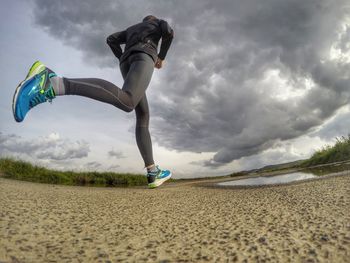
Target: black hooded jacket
[{"x": 142, "y": 37}]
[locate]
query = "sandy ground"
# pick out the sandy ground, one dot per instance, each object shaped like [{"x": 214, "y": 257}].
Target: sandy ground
[{"x": 304, "y": 222}]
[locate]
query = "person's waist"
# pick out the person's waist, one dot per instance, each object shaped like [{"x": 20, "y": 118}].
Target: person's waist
[
  {"x": 147, "y": 43},
  {"x": 127, "y": 53}
]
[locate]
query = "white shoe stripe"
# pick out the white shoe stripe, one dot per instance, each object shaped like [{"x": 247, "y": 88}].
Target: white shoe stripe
[{"x": 161, "y": 181}]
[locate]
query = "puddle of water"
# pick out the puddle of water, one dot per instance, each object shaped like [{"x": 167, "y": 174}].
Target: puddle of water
[
  {"x": 287, "y": 178},
  {"x": 268, "y": 180}
]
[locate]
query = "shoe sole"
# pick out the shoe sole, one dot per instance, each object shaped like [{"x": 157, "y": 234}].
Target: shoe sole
[
  {"x": 21, "y": 84},
  {"x": 159, "y": 182},
  {"x": 14, "y": 100}
]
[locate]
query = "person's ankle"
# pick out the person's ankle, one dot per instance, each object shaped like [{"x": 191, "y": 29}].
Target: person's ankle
[{"x": 151, "y": 168}]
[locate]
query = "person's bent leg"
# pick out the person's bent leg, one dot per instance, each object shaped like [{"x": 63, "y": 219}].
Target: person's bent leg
[
  {"x": 99, "y": 89},
  {"x": 140, "y": 69},
  {"x": 143, "y": 137}
]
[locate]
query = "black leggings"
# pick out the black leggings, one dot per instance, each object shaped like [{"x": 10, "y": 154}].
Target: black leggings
[{"x": 137, "y": 72}]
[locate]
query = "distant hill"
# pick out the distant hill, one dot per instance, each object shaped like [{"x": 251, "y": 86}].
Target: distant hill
[{"x": 281, "y": 166}]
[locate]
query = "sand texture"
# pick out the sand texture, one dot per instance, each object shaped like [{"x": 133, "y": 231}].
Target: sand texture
[{"x": 304, "y": 222}]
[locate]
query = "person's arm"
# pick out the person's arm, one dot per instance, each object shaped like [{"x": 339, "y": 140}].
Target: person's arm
[
  {"x": 167, "y": 38},
  {"x": 115, "y": 40}
]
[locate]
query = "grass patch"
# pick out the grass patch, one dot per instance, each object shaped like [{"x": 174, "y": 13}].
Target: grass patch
[
  {"x": 20, "y": 170},
  {"x": 330, "y": 154}
]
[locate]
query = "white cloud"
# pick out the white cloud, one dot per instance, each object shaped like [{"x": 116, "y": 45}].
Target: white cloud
[
  {"x": 50, "y": 147},
  {"x": 116, "y": 154}
]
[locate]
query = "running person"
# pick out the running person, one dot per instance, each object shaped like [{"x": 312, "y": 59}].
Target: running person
[{"x": 137, "y": 63}]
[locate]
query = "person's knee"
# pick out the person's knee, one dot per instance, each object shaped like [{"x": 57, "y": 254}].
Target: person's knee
[
  {"x": 128, "y": 110},
  {"x": 125, "y": 108},
  {"x": 128, "y": 106},
  {"x": 130, "y": 103}
]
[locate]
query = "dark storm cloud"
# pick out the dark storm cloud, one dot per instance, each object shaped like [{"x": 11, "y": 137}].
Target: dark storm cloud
[
  {"x": 216, "y": 93},
  {"x": 45, "y": 148}
]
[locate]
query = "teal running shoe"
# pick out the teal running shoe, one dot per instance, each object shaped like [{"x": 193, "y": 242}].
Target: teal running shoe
[
  {"x": 36, "y": 88},
  {"x": 158, "y": 177}
]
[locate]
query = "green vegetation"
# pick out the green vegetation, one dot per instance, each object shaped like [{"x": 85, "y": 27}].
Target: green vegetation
[
  {"x": 241, "y": 173},
  {"x": 20, "y": 170},
  {"x": 330, "y": 154}
]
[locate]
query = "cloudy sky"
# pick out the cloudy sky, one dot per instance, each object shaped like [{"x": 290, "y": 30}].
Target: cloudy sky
[{"x": 245, "y": 83}]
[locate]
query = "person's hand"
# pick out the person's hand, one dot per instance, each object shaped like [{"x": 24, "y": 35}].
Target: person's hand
[{"x": 159, "y": 63}]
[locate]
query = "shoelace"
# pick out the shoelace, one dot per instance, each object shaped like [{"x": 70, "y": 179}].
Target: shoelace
[
  {"x": 41, "y": 97},
  {"x": 154, "y": 173}
]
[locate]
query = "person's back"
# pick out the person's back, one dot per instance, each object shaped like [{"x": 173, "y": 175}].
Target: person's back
[{"x": 143, "y": 37}]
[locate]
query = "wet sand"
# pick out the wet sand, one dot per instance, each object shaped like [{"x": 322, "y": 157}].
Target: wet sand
[{"x": 304, "y": 222}]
